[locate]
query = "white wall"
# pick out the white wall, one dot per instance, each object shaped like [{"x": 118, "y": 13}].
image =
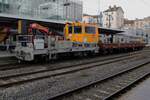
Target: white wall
[{"x": 116, "y": 19}]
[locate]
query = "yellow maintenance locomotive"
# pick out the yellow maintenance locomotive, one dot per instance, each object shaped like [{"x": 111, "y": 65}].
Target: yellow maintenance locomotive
[{"x": 77, "y": 39}]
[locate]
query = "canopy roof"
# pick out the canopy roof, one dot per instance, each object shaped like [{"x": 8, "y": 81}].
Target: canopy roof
[{"x": 54, "y": 24}]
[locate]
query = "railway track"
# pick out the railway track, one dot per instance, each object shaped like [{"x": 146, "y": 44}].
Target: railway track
[
  {"x": 108, "y": 88},
  {"x": 16, "y": 79},
  {"x": 88, "y": 60},
  {"x": 13, "y": 81},
  {"x": 10, "y": 73}
]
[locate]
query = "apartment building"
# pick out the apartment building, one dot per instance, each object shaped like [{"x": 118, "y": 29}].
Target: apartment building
[{"x": 113, "y": 17}]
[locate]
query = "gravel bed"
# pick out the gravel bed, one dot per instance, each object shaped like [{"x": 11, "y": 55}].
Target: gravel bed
[
  {"x": 21, "y": 70},
  {"x": 43, "y": 89},
  {"x": 50, "y": 73},
  {"x": 7, "y": 60},
  {"x": 51, "y": 66},
  {"x": 105, "y": 89}
]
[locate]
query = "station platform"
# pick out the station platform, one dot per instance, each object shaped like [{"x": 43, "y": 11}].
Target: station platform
[
  {"x": 141, "y": 92},
  {"x": 5, "y": 54}
]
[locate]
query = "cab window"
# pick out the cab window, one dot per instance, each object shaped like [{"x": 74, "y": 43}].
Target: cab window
[
  {"x": 77, "y": 29},
  {"x": 23, "y": 38},
  {"x": 90, "y": 30},
  {"x": 70, "y": 29}
]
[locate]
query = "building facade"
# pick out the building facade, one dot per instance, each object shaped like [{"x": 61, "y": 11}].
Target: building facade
[
  {"x": 48, "y": 9},
  {"x": 147, "y": 28},
  {"x": 129, "y": 24},
  {"x": 113, "y": 17},
  {"x": 97, "y": 19},
  {"x": 88, "y": 19},
  {"x": 141, "y": 25},
  {"x": 62, "y": 9}
]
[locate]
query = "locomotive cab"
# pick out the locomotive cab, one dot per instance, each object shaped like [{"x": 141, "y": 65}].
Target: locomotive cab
[
  {"x": 24, "y": 47},
  {"x": 82, "y": 32}
]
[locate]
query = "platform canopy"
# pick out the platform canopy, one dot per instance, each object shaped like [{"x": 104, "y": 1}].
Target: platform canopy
[
  {"x": 13, "y": 17},
  {"x": 12, "y": 20},
  {"x": 103, "y": 30}
]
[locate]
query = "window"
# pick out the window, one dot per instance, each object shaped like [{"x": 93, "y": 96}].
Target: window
[
  {"x": 24, "y": 38},
  {"x": 90, "y": 30},
  {"x": 70, "y": 29},
  {"x": 77, "y": 29},
  {"x": 45, "y": 8},
  {"x": 21, "y": 38}
]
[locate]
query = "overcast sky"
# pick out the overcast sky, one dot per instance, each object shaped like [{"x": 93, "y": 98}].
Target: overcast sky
[{"x": 132, "y": 8}]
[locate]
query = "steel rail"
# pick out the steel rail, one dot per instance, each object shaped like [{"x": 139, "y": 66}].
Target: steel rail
[
  {"x": 67, "y": 70},
  {"x": 24, "y": 65},
  {"x": 87, "y": 86}
]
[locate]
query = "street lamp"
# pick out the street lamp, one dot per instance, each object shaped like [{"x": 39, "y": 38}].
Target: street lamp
[
  {"x": 109, "y": 26},
  {"x": 101, "y": 19},
  {"x": 109, "y": 20},
  {"x": 66, "y": 5}
]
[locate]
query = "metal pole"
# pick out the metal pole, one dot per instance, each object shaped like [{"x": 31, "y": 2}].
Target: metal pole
[
  {"x": 74, "y": 10},
  {"x": 109, "y": 21},
  {"x": 100, "y": 19},
  {"x": 109, "y": 26},
  {"x": 66, "y": 11},
  {"x": 66, "y": 5},
  {"x": 57, "y": 10}
]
